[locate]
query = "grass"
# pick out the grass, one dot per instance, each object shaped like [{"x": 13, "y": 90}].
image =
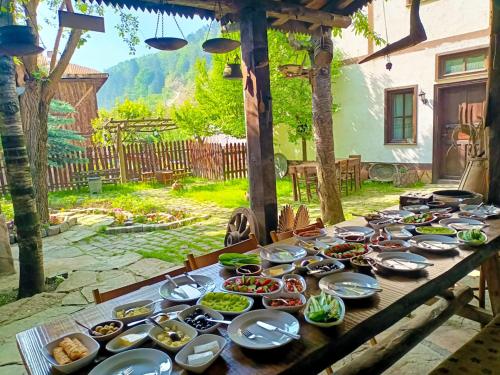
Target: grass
[
  {"x": 8, "y": 297},
  {"x": 143, "y": 198}
]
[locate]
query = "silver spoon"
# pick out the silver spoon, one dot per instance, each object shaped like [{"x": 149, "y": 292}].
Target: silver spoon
[
  {"x": 203, "y": 317},
  {"x": 137, "y": 307}
]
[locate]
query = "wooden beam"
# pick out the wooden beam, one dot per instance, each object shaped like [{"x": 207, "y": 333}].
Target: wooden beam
[
  {"x": 476, "y": 314},
  {"x": 259, "y": 119},
  {"x": 381, "y": 356},
  {"x": 493, "y": 107},
  {"x": 491, "y": 269},
  {"x": 121, "y": 156}
]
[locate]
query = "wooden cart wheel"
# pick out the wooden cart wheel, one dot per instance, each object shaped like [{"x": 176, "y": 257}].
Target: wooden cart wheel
[{"x": 242, "y": 222}]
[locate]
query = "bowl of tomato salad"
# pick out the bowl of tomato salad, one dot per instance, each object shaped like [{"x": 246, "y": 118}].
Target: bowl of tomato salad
[{"x": 252, "y": 285}]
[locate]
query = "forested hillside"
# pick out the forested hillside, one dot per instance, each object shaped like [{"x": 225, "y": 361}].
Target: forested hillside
[{"x": 165, "y": 76}]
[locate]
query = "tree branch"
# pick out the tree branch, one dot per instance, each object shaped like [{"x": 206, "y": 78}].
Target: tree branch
[{"x": 58, "y": 71}]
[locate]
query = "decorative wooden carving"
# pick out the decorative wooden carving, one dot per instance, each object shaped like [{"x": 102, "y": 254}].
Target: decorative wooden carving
[
  {"x": 286, "y": 220},
  {"x": 302, "y": 217}
]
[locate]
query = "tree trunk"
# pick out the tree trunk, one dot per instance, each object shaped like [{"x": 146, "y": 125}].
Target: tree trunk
[
  {"x": 31, "y": 276},
  {"x": 34, "y": 114},
  {"x": 6, "y": 261},
  {"x": 304, "y": 149},
  {"x": 331, "y": 205}
]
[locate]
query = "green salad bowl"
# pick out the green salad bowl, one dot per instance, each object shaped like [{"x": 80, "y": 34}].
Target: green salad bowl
[{"x": 462, "y": 237}]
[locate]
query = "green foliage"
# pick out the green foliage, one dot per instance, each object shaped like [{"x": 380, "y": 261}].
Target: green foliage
[
  {"x": 158, "y": 77},
  {"x": 361, "y": 26},
  {"x": 61, "y": 141}
]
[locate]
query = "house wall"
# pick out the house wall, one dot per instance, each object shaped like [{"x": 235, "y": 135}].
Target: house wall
[
  {"x": 359, "y": 125},
  {"x": 81, "y": 94}
]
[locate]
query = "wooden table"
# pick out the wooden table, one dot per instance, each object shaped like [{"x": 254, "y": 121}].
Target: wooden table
[
  {"x": 307, "y": 172},
  {"x": 318, "y": 348}
]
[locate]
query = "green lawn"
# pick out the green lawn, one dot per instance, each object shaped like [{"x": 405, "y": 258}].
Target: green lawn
[{"x": 142, "y": 198}]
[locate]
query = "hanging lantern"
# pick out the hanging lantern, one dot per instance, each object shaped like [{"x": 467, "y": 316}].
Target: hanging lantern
[
  {"x": 18, "y": 40},
  {"x": 166, "y": 43},
  {"x": 220, "y": 45},
  {"x": 232, "y": 71}
]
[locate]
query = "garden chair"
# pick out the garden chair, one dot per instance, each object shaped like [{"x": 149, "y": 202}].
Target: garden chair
[
  {"x": 344, "y": 175},
  {"x": 355, "y": 165},
  {"x": 193, "y": 263},
  {"x": 100, "y": 297}
]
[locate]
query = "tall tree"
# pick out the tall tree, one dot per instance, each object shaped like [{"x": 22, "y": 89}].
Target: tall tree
[
  {"x": 31, "y": 276},
  {"x": 321, "y": 58},
  {"x": 40, "y": 83}
]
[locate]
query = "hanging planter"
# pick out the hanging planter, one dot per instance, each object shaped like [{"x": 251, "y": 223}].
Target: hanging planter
[
  {"x": 220, "y": 45},
  {"x": 232, "y": 71},
  {"x": 166, "y": 43},
  {"x": 18, "y": 40}
]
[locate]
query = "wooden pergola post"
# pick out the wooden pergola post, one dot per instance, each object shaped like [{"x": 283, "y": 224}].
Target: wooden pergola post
[
  {"x": 259, "y": 119},
  {"x": 121, "y": 155}
]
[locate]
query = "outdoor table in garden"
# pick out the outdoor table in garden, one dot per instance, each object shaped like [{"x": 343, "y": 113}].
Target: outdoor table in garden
[{"x": 318, "y": 347}]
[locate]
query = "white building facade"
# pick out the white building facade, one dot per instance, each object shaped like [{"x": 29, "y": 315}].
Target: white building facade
[{"x": 409, "y": 115}]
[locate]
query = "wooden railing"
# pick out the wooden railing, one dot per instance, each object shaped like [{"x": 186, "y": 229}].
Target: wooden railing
[{"x": 208, "y": 160}]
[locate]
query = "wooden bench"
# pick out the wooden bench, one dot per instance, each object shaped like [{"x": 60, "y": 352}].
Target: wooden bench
[{"x": 108, "y": 176}]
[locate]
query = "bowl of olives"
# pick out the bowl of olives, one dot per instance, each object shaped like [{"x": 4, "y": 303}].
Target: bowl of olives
[
  {"x": 105, "y": 331},
  {"x": 198, "y": 316}
]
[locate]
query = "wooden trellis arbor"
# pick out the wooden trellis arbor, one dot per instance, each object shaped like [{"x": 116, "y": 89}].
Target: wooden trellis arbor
[{"x": 123, "y": 128}]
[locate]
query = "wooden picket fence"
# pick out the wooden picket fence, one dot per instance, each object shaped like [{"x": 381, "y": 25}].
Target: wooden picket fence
[{"x": 208, "y": 160}]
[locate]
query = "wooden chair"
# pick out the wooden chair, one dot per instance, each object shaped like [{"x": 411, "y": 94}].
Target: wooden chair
[
  {"x": 355, "y": 162},
  {"x": 344, "y": 175},
  {"x": 100, "y": 297},
  {"x": 194, "y": 263},
  {"x": 279, "y": 236}
]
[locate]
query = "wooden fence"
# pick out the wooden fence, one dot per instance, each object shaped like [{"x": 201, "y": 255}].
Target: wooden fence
[{"x": 208, "y": 160}]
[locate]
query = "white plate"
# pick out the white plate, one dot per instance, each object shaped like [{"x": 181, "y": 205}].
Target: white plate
[
  {"x": 271, "y": 339},
  {"x": 434, "y": 242},
  {"x": 398, "y": 232},
  {"x": 91, "y": 344},
  {"x": 171, "y": 325},
  {"x": 181, "y": 357},
  {"x": 141, "y": 361},
  {"x": 279, "y": 281},
  {"x": 354, "y": 230},
  {"x": 279, "y": 253},
  {"x": 291, "y": 309},
  {"x": 279, "y": 270},
  {"x": 191, "y": 292},
  {"x": 344, "y": 282},
  {"x": 322, "y": 234},
  {"x": 329, "y": 241},
  {"x": 384, "y": 261},
  {"x": 142, "y": 329},
  {"x": 485, "y": 210},
  {"x": 461, "y": 223},
  {"x": 229, "y": 313},
  {"x": 417, "y": 208},
  {"x": 396, "y": 214}
]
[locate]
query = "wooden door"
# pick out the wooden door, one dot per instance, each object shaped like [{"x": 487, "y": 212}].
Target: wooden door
[{"x": 452, "y": 148}]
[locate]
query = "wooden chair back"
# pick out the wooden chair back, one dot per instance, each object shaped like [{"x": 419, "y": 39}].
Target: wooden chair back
[
  {"x": 194, "y": 263},
  {"x": 343, "y": 165},
  {"x": 100, "y": 297},
  {"x": 279, "y": 236}
]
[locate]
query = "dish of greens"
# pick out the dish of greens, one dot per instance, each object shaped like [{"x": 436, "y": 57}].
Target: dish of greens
[
  {"x": 226, "y": 302},
  {"x": 436, "y": 230},
  {"x": 421, "y": 219},
  {"x": 324, "y": 310},
  {"x": 234, "y": 260},
  {"x": 472, "y": 237}
]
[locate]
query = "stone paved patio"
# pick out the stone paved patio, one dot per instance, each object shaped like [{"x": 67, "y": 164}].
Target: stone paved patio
[{"x": 88, "y": 259}]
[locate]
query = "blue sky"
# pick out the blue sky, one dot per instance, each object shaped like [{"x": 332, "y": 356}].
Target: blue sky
[{"x": 104, "y": 50}]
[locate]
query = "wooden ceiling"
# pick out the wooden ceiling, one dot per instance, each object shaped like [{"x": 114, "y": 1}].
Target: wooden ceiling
[{"x": 302, "y": 16}]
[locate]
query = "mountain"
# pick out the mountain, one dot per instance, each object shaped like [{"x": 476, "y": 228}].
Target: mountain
[{"x": 168, "y": 76}]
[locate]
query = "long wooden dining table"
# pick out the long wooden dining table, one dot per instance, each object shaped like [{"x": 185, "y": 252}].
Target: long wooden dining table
[{"x": 318, "y": 347}]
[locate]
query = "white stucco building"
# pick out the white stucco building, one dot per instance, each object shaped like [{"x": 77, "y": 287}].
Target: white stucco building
[{"x": 407, "y": 115}]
